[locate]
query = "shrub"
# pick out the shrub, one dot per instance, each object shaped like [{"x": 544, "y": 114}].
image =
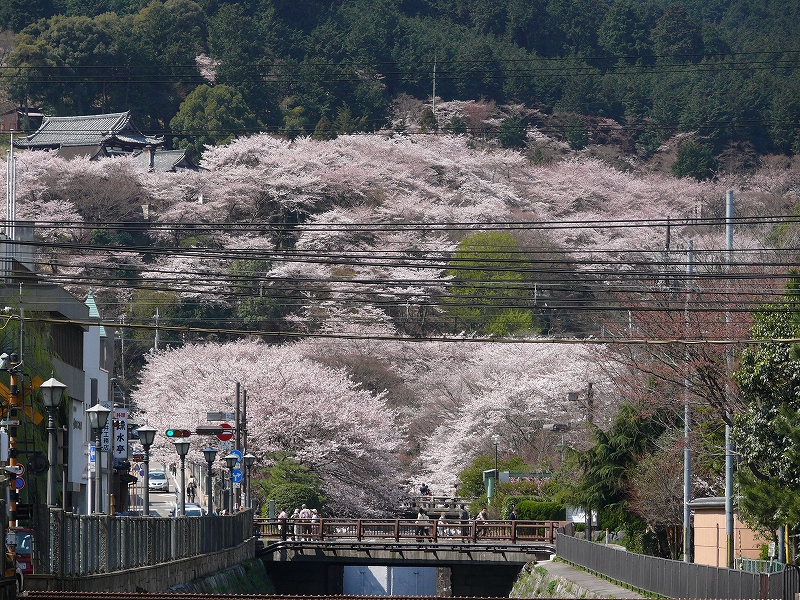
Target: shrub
[{"x": 531, "y": 510}]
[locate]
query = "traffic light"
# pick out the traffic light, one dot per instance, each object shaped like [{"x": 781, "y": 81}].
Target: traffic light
[
  {"x": 208, "y": 429},
  {"x": 178, "y": 433}
]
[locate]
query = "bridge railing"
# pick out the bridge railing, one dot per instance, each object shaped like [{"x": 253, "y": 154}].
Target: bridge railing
[{"x": 409, "y": 530}]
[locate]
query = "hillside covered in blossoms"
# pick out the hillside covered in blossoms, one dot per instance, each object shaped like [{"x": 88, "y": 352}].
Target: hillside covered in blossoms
[{"x": 331, "y": 278}]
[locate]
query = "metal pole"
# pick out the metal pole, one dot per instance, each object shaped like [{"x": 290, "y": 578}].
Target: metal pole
[
  {"x": 687, "y": 417},
  {"x": 51, "y": 455},
  {"x": 729, "y": 360},
  {"x": 183, "y": 485},
  {"x": 98, "y": 475},
  {"x": 210, "y": 490},
  {"x": 146, "y": 510}
]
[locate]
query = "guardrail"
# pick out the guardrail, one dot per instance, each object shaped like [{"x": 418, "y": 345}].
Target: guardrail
[
  {"x": 411, "y": 530},
  {"x": 91, "y": 544}
]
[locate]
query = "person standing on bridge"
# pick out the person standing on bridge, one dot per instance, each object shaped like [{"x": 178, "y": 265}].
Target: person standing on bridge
[
  {"x": 305, "y": 516},
  {"x": 422, "y": 523},
  {"x": 463, "y": 515},
  {"x": 296, "y": 524},
  {"x": 282, "y": 518},
  {"x": 480, "y": 531}
]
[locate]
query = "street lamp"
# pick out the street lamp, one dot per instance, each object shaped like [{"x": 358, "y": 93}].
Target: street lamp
[
  {"x": 182, "y": 448},
  {"x": 496, "y": 442},
  {"x": 98, "y": 416},
  {"x": 211, "y": 456},
  {"x": 52, "y": 393},
  {"x": 147, "y": 436},
  {"x": 249, "y": 461},
  {"x": 558, "y": 427},
  {"x": 230, "y": 462}
]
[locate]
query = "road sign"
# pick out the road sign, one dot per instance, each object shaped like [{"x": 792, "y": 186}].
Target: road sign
[
  {"x": 238, "y": 455},
  {"x": 236, "y": 475},
  {"x": 215, "y": 416},
  {"x": 20, "y": 483},
  {"x": 224, "y": 437},
  {"x": 225, "y": 446},
  {"x": 92, "y": 453}
]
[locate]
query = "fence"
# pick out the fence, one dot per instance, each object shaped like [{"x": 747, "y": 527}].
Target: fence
[
  {"x": 670, "y": 578},
  {"x": 91, "y": 544},
  {"x": 411, "y": 530}
]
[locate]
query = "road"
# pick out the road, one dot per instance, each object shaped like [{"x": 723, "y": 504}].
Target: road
[{"x": 162, "y": 504}]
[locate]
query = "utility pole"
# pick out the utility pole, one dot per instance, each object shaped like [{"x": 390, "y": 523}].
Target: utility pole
[
  {"x": 155, "y": 342},
  {"x": 687, "y": 417},
  {"x": 729, "y": 361}
]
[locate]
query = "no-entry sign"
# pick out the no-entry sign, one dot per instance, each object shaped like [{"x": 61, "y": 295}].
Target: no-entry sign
[{"x": 227, "y": 434}]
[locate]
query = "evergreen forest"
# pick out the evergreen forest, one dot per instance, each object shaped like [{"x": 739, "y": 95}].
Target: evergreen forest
[{"x": 206, "y": 71}]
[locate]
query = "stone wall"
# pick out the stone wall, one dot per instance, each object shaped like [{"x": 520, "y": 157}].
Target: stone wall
[{"x": 247, "y": 578}]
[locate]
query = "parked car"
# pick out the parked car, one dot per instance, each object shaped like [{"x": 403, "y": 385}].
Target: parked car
[
  {"x": 190, "y": 510},
  {"x": 25, "y": 550},
  {"x": 158, "y": 481}
]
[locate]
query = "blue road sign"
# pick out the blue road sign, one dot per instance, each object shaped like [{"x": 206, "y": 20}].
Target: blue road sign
[
  {"x": 238, "y": 455},
  {"x": 236, "y": 475},
  {"x": 92, "y": 453}
]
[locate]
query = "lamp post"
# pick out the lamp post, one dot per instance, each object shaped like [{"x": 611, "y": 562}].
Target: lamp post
[
  {"x": 210, "y": 455},
  {"x": 249, "y": 461},
  {"x": 147, "y": 436},
  {"x": 98, "y": 416},
  {"x": 52, "y": 392},
  {"x": 230, "y": 462},
  {"x": 496, "y": 442},
  {"x": 182, "y": 448}
]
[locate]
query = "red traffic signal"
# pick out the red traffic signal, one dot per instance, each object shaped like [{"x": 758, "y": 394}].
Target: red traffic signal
[{"x": 178, "y": 433}]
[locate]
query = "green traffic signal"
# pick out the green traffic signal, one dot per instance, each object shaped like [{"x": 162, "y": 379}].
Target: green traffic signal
[{"x": 178, "y": 433}]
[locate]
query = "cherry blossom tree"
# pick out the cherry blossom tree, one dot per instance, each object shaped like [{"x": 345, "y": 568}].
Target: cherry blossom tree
[{"x": 346, "y": 435}]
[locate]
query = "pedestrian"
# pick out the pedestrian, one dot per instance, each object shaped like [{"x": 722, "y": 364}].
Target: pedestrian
[
  {"x": 441, "y": 525},
  {"x": 463, "y": 515},
  {"x": 305, "y": 516},
  {"x": 513, "y": 515},
  {"x": 315, "y": 522},
  {"x": 191, "y": 490},
  {"x": 296, "y": 524},
  {"x": 282, "y": 518},
  {"x": 481, "y": 517},
  {"x": 422, "y": 523}
]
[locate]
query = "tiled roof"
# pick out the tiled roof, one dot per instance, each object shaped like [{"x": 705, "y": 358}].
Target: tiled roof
[
  {"x": 87, "y": 130},
  {"x": 165, "y": 160}
]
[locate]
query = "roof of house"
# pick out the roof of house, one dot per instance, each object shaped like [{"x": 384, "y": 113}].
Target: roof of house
[
  {"x": 94, "y": 313},
  {"x": 115, "y": 129},
  {"x": 166, "y": 160}
]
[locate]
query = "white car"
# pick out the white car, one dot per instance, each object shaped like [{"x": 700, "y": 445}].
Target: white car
[
  {"x": 158, "y": 481},
  {"x": 190, "y": 510}
]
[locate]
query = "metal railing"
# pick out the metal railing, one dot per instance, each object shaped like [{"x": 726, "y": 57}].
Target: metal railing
[
  {"x": 410, "y": 530},
  {"x": 670, "y": 578},
  {"x": 90, "y": 544}
]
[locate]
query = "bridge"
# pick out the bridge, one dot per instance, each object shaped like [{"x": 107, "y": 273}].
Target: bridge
[
  {"x": 122, "y": 553},
  {"x": 474, "y": 558}
]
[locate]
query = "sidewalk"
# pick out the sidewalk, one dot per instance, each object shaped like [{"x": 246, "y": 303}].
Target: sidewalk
[{"x": 597, "y": 587}]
